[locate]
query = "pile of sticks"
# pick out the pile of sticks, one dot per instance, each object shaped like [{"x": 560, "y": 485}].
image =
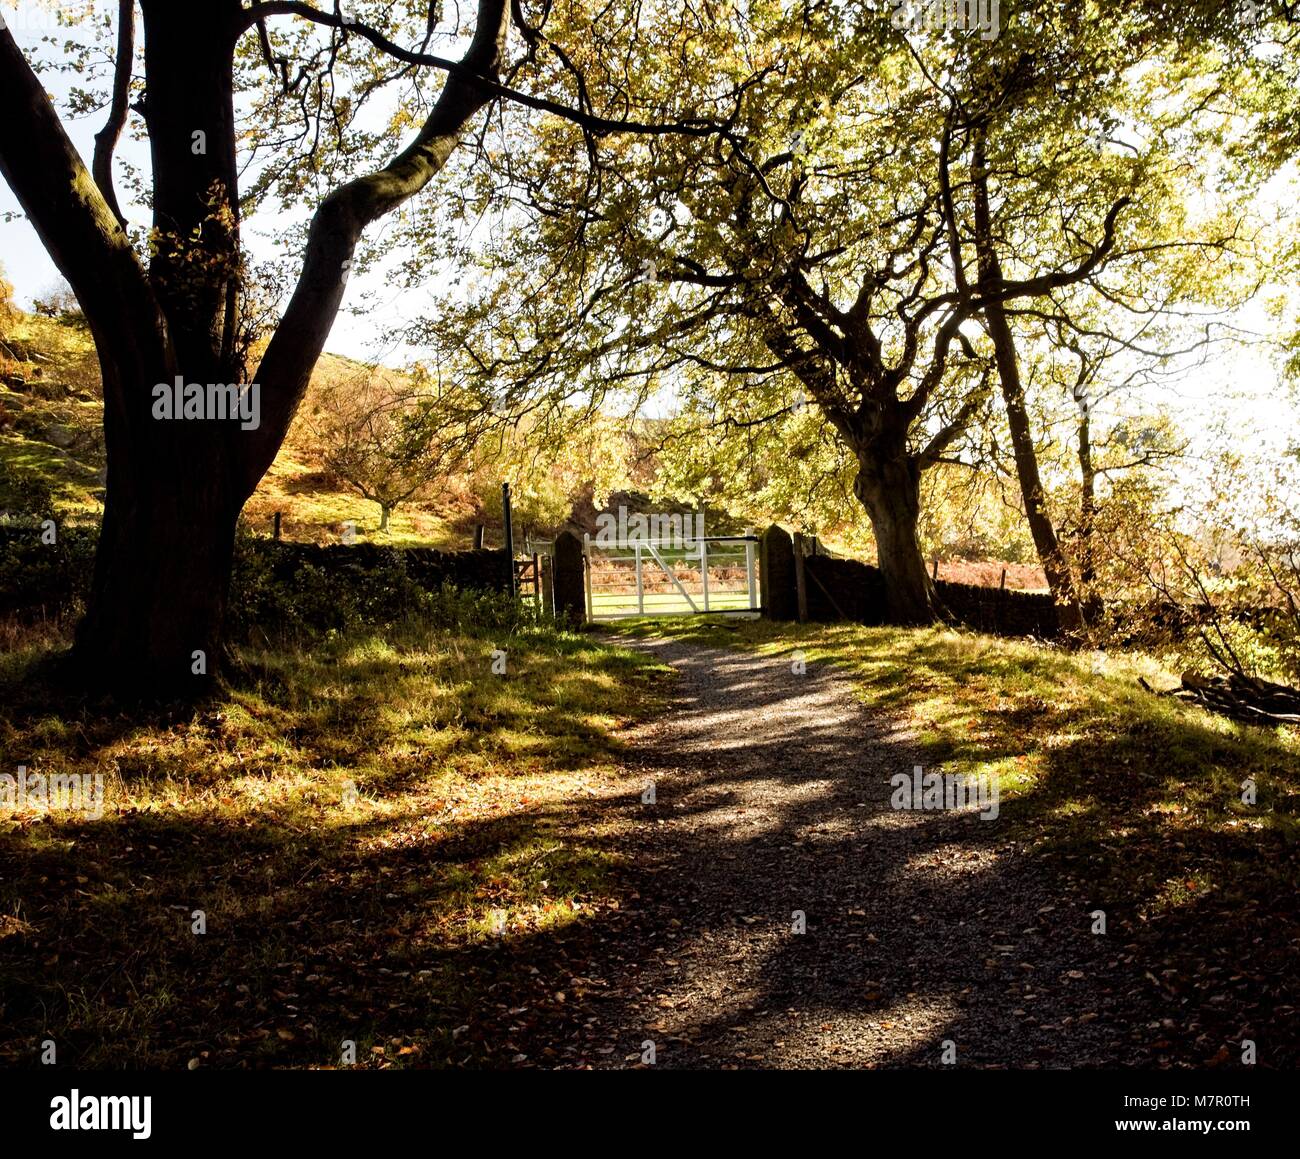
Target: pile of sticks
[{"x": 1242, "y": 698}]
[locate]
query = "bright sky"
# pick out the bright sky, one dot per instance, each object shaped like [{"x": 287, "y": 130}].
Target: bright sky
[{"x": 1240, "y": 387}]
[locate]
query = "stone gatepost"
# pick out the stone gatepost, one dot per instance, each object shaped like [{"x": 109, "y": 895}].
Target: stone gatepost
[
  {"x": 568, "y": 581},
  {"x": 776, "y": 564}
]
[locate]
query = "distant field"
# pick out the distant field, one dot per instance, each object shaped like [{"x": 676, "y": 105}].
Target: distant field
[
  {"x": 987, "y": 573},
  {"x": 608, "y": 604}
]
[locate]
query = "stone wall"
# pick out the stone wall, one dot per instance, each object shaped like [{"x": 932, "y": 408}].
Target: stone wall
[
  {"x": 846, "y": 590},
  {"x": 39, "y": 579},
  {"x": 1001, "y": 612}
]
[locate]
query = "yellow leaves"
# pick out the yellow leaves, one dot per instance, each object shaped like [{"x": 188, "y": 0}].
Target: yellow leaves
[
  {"x": 11, "y": 926},
  {"x": 404, "y": 119}
]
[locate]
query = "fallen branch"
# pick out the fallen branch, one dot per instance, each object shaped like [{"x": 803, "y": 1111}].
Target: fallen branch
[{"x": 1242, "y": 698}]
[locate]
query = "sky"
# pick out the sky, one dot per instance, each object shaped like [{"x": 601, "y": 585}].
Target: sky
[{"x": 1238, "y": 388}]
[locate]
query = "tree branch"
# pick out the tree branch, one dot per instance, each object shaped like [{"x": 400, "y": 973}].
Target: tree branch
[
  {"x": 106, "y": 139},
  {"x": 342, "y": 218},
  {"x": 598, "y": 126},
  {"x": 78, "y": 229}
]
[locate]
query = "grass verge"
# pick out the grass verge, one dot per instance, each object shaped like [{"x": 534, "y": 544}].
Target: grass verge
[{"x": 368, "y": 833}]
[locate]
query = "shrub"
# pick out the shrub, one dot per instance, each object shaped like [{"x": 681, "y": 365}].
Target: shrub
[
  {"x": 40, "y": 580},
  {"x": 280, "y": 590}
]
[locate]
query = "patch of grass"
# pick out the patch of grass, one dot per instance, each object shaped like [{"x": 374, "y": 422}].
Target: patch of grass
[
  {"x": 315, "y": 510},
  {"x": 38, "y": 477},
  {"x": 373, "y": 830},
  {"x": 51, "y": 441}
]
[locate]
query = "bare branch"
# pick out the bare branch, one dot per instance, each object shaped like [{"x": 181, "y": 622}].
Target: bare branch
[{"x": 106, "y": 139}]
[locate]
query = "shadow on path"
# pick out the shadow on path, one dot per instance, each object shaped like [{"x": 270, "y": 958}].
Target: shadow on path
[{"x": 926, "y": 932}]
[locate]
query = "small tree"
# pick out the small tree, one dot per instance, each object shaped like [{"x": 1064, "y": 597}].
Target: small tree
[
  {"x": 58, "y": 302},
  {"x": 386, "y": 443}
]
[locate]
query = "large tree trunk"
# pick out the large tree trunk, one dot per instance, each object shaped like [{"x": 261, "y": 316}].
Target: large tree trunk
[
  {"x": 190, "y": 114},
  {"x": 156, "y": 610},
  {"x": 175, "y": 488},
  {"x": 158, "y": 596},
  {"x": 889, "y": 487}
]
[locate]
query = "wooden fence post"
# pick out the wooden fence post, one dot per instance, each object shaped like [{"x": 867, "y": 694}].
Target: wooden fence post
[{"x": 546, "y": 582}]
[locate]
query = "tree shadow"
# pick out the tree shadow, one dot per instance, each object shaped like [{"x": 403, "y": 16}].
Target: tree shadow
[
  {"x": 932, "y": 935},
  {"x": 324, "y": 920}
]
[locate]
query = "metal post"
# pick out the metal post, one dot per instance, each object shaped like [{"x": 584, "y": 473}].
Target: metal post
[
  {"x": 749, "y": 569},
  {"x": 277, "y": 525},
  {"x": 478, "y": 537},
  {"x": 640, "y": 587},
  {"x": 704, "y": 570},
  {"x": 510, "y": 534},
  {"x": 586, "y": 571}
]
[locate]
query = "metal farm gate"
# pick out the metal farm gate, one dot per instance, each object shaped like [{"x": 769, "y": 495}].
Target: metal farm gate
[{"x": 660, "y": 577}]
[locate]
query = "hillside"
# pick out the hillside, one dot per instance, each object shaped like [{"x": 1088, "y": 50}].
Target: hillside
[
  {"x": 52, "y": 456},
  {"x": 52, "y": 449},
  {"x": 51, "y": 440}
]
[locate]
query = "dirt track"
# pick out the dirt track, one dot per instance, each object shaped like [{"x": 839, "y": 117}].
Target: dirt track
[{"x": 922, "y": 928}]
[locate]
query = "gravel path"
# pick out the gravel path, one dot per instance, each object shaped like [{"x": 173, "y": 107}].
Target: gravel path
[{"x": 925, "y": 932}]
